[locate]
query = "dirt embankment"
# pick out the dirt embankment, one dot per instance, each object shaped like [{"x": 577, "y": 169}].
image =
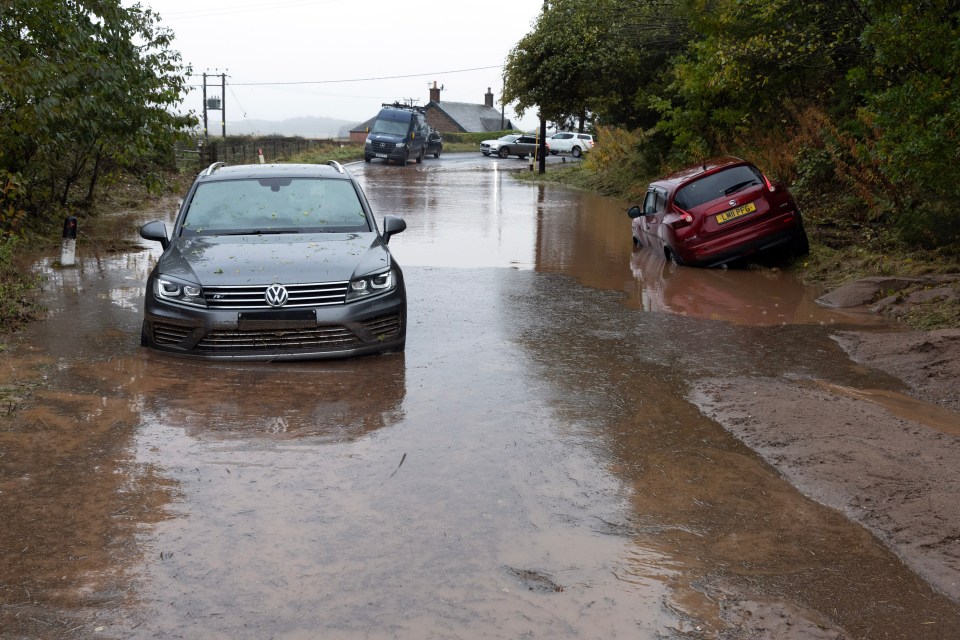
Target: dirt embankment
[{"x": 889, "y": 460}]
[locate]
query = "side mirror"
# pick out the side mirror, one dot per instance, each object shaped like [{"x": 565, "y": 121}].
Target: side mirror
[
  {"x": 368, "y": 129},
  {"x": 156, "y": 231},
  {"x": 635, "y": 212},
  {"x": 392, "y": 225}
]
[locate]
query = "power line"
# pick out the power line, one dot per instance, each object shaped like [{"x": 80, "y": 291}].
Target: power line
[
  {"x": 301, "y": 82},
  {"x": 213, "y": 12}
]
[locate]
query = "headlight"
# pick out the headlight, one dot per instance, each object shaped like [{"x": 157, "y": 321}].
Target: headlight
[
  {"x": 367, "y": 142},
  {"x": 373, "y": 285},
  {"x": 401, "y": 145},
  {"x": 179, "y": 292}
]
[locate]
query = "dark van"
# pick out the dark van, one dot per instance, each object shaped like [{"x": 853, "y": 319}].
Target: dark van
[{"x": 399, "y": 133}]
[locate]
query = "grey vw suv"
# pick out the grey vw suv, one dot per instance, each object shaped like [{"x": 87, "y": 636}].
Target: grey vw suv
[{"x": 275, "y": 262}]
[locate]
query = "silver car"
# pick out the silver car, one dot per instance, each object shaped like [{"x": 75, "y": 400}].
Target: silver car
[{"x": 513, "y": 144}]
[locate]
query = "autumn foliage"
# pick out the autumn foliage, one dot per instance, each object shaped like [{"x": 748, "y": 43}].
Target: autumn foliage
[{"x": 855, "y": 103}]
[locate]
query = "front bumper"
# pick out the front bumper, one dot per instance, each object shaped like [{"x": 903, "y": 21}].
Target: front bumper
[
  {"x": 385, "y": 151},
  {"x": 336, "y": 331}
]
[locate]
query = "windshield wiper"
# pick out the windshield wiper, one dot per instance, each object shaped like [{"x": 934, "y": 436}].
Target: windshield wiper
[
  {"x": 255, "y": 232},
  {"x": 739, "y": 186}
]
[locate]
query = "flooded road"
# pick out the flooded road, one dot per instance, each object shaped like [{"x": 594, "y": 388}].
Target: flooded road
[{"x": 530, "y": 467}]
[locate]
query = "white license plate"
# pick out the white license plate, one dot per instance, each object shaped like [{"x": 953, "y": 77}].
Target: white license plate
[{"x": 382, "y": 155}]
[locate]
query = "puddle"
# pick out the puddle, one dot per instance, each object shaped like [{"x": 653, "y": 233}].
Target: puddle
[
  {"x": 530, "y": 467},
  {"x": 904, "y": 406},
  {"x": 585, "y": 236}
]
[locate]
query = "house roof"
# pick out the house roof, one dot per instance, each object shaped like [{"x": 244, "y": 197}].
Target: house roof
[
  {"x": 363, "y": 126},
  {"x": 472, "y": 118}
]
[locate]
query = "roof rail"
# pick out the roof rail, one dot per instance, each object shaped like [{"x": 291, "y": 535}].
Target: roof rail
[
  {"x": 407, "y": 107},
  {"x": 336, "y": 165},
  {"x": 212, "y": 168}
]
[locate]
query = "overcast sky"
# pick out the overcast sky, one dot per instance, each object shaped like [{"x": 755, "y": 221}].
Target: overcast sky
[{"x": 348, "y": 56}]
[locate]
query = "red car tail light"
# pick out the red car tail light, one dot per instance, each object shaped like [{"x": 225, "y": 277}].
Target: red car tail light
[
  {"x": 681, "y": 218},
  {"x": 769, "y": 184}
]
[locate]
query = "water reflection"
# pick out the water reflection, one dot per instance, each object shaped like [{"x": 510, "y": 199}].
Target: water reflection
[
  {"x": 459, "y": 219},
  {"x": 753, "y": 297},
  {"x": 336, "y": 401}
]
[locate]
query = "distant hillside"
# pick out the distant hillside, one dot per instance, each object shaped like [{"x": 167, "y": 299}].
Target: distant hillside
[{"x": 305, "y": 127}]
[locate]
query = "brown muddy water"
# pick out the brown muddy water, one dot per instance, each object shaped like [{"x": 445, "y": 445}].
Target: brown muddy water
[{"x": 529, "y": 468}]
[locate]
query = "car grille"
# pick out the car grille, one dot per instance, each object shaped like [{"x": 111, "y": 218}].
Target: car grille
[
  {"x": 265, "y": 339},
  {"x": 382, "y": 147},
  {"x": 164, "y": 333},
  {"x": 254, "y": 297},
  {"x": 320, "y": 338}
]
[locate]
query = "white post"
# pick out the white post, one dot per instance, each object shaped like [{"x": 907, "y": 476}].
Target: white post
[{"x": 68, "y": 249}]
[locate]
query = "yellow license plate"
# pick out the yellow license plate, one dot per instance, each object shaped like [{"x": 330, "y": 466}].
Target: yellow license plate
[{"x": 727, "y": 216}]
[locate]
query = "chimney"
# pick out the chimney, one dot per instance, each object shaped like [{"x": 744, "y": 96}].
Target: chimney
[
  {"x": 434, "y": 92},
  {"x": 488, "y": 98}
]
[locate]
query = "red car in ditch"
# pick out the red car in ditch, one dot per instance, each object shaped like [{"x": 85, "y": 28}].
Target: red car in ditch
[{"x": 716, "y": 212}]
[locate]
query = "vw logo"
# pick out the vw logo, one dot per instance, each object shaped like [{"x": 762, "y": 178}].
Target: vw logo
[
  {"x": 276, "y": 295},
  {"x": 733, "y": 203}
]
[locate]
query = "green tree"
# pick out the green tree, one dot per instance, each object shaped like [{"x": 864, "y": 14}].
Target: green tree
[
  {"x": 84, "y": 85},
  {"x": 909, "y": 120},
  {"x": 752, "y": 62},
  {"x": 594, "y": 58}
]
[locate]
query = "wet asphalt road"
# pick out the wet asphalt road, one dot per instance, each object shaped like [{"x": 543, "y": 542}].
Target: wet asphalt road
[{"x": 529, "y": 468}]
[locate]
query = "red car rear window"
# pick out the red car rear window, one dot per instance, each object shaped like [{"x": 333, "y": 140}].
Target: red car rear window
[{"x": 722, "y": 184}]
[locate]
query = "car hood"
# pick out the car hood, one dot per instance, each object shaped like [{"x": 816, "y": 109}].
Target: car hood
[{"x": 282, "y": 258}]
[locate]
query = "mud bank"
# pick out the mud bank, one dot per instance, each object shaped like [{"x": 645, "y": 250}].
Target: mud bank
[{"x": 887, "y": 458}]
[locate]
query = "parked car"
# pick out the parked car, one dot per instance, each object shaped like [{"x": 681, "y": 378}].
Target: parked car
[
  {"x": 576, "y": 144},
  {"x": 434, "y": 143},
  {"x": 274, "y": 262},
  {"x": 512, "y": 144},
  {"x": 716, "y": 212}
]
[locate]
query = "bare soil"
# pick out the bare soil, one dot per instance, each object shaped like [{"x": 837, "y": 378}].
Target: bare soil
[{"x": 887, "y": 458}]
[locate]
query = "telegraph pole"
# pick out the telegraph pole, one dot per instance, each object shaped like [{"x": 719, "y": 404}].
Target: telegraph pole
[
  {"x": 215, "y": 104},
  {"x": 204, "y": 107},
  {"x": 223, "y": 104},
  {"x": 542, "y": 142}
]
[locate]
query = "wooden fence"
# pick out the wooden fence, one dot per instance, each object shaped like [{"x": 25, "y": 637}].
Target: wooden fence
[{"x": 248, "y": 151}]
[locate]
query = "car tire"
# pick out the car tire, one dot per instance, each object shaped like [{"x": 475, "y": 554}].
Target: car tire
[
  {"x": 396, "y": 349},
  {"x": 503, "y": 152},
  {"x": 436, "y": 154},
  {"x": 800, "y": 245},
  {"x": 576, "y": 152},
  {"x": 423, "y": 154},
  {"x": 672, "y": 256},
  {"x": 553, "y": 153},
  {"x": 366, "y": 158},
  {"x": 405, "y": 158}
]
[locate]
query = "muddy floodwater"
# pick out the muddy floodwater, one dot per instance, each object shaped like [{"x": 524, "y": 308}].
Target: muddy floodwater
[{"x": 531, "y": 467}]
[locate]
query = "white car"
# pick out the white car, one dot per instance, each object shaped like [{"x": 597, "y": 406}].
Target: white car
[{"x": 575, "y": 144}]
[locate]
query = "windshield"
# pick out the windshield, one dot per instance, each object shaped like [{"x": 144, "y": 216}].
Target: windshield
[
  {"x": 392, "y": 127},
  {"x": 509, "y": 138},
  {"x": 274, "y": 205},
  {"x": 718, "y": 185}
]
